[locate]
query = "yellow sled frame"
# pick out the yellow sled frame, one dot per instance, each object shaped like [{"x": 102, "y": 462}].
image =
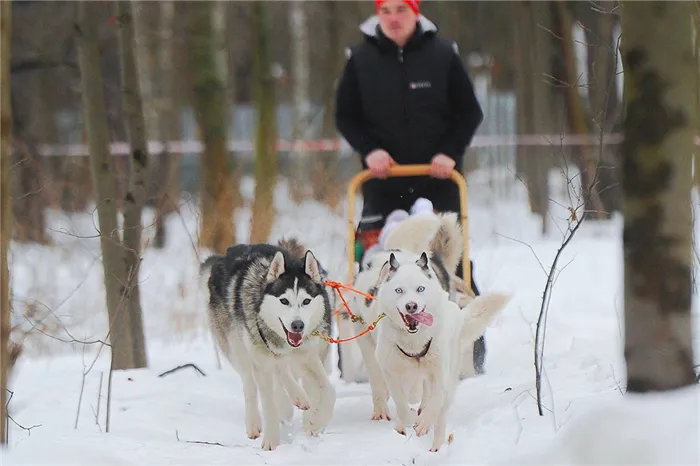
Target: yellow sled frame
[{"x": 411, "y": 170}]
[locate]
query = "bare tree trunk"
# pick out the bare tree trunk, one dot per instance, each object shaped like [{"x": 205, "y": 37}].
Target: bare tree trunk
[
  {"x": 138, "y": 177},
  {"x": 301, "y": 65},
  {"x": 212, "y": 109},
  {"x": 587, "y": 159},
  {"x": 5, "y": 209},
  {"x": 603, "y": 99},
  {"x": 169, "y": 126},
  {"x": 659, "y": 126},
  {"x": 95, "y": 118},
  {"x": 534, "y": 97},
  {"x": 266, "y": 132},
  {"x": 325, "y": 183},
  {"x": 29, "y": 198}
]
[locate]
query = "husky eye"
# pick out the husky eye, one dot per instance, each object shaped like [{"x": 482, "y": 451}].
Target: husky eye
[
  {"x": 399, "y": 290},
  {"x": 284, "y": 301},
  {"x": 306, "y": 302},
  {"x": 420, "y": 289}
]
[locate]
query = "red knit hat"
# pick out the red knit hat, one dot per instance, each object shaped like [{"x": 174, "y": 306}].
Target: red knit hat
[{"x": 414, "y": 4}]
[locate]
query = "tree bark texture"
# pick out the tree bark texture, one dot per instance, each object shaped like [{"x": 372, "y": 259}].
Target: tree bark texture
[
  {"x": 136, "y": 192},
  {"x": 212, "y": 111},
  {"x": 95, "y": 118},
  {"x": 587, "y": 157},
  {"x": 659, "y": 126},
  {"x": 534, "y": 99},
  {"x": 168, "y": 122},
  {"x": 301, "y": 65},
  {"x": 265, "y": 170},
  {"x": 325, "y": 183},
  {"x": 5, "y": 209},
  {"x": 29, "y": 198}
]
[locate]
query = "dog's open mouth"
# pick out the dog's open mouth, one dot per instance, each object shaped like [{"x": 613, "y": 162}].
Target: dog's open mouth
[
  {"x": 412, "y": 320},
  {"x": 293, "y": 338}
]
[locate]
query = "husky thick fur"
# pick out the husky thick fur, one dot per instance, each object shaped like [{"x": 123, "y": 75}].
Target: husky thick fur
[
  {"x": 264, "y": 303},
  {"x": 440, "y": 234},
  {"x": 422, "y": 342}
]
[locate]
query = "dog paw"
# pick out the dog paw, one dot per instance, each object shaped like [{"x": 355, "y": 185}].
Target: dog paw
[
  {"x": 269, "y": 443},
  {"x": 381, "y": 412},
  {"x": 423, "y": 424},
  {"x": 422, "y": 427},
  {"x": 253, "y": 429},
  {"x": 438, "y": 443},
  {"x": 310, "y": 427},
  {"x": 381, "y": 415},
  {"x": 302, "y": 403}
]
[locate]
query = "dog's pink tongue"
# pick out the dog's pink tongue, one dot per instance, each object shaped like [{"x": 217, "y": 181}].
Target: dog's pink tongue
[
  {"x": 295, "y": 338},
  {"x": 424, "y": 318}
]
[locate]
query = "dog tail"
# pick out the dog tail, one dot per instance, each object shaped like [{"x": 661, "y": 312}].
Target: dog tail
[
  {"x": 447, "y": 242},
  {"x": 479, "y": 313},
  {"x": 294, "y": 247},
  {"x": 205, "y": 271}
]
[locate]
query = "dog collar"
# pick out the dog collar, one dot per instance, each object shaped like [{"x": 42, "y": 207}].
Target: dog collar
[{"x": 417, "y": 356}]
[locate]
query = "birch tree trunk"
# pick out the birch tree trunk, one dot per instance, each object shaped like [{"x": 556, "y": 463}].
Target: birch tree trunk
[
  {"x": 212, "y": 111},
  {"x": 138, "y": 178},
  {"x": 95, "y": 118},
  {"x": 301, "y": 65},
  {"x": 659, "y": 126},
  {"x": 5, "y": 209},
  {"x": 265, "y": 133}
]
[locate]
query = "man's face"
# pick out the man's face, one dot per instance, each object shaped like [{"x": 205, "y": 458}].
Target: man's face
[{"x": 397, "y": 20}]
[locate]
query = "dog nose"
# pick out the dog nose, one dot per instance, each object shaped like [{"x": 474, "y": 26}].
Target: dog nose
[
  {"x": 297, "y": 326},
  {"x": 411, "y": 307}
]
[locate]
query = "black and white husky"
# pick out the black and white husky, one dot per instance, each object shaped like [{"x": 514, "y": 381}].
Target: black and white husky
[{"x": 265, "y": 303}]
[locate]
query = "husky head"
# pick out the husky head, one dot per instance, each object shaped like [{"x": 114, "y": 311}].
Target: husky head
[
  {"x": 408, "y": 292},
  {"x": 294, "y": 301}
]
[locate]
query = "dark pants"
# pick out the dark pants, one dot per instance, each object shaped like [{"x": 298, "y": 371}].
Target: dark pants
[{"x": 383, "y": 197}]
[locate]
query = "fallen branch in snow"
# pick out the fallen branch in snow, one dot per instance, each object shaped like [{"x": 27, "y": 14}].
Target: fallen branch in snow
[
  {"x": 184, "y": 366},
  {"x": 201, "y": 442}
]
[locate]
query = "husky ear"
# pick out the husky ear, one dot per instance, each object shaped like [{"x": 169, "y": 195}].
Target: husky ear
[
  {"x": 383, "y": 273},
  {"x": 389, "y": 267},
  {"x": 422, "y": 262},
  {"x": 277, "y": 267},
  {"x": 311, "y": 267},
  {"x": 393, "y": 263}
]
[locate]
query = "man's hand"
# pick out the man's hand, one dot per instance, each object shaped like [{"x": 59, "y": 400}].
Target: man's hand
[
  {"x": 379, "y": 163},
  {"x": 441, "y": 166}
]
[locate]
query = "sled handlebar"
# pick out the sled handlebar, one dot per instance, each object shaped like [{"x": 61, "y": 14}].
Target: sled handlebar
[{"x": 400, "y": 171}]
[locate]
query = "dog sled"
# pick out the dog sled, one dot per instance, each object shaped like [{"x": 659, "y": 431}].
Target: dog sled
[{"x": 349, "y": 357}]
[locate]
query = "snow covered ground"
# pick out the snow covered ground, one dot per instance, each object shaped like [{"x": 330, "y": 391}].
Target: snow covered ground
[{"x": 186, "y": 418}]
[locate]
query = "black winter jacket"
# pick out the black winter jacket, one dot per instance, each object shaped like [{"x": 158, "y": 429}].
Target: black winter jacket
[{"x": 413, "y": 102}]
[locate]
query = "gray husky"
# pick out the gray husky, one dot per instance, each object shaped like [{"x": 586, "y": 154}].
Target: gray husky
[{"x": 265, "y": 305}]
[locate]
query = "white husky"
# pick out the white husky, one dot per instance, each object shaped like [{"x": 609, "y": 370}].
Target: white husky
[
  {"x": 441, "y": 235},
  {"x": 421, "y": 344}
]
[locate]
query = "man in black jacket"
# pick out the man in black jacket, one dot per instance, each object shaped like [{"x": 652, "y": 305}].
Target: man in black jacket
[{"x": 405, "y": 98}]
